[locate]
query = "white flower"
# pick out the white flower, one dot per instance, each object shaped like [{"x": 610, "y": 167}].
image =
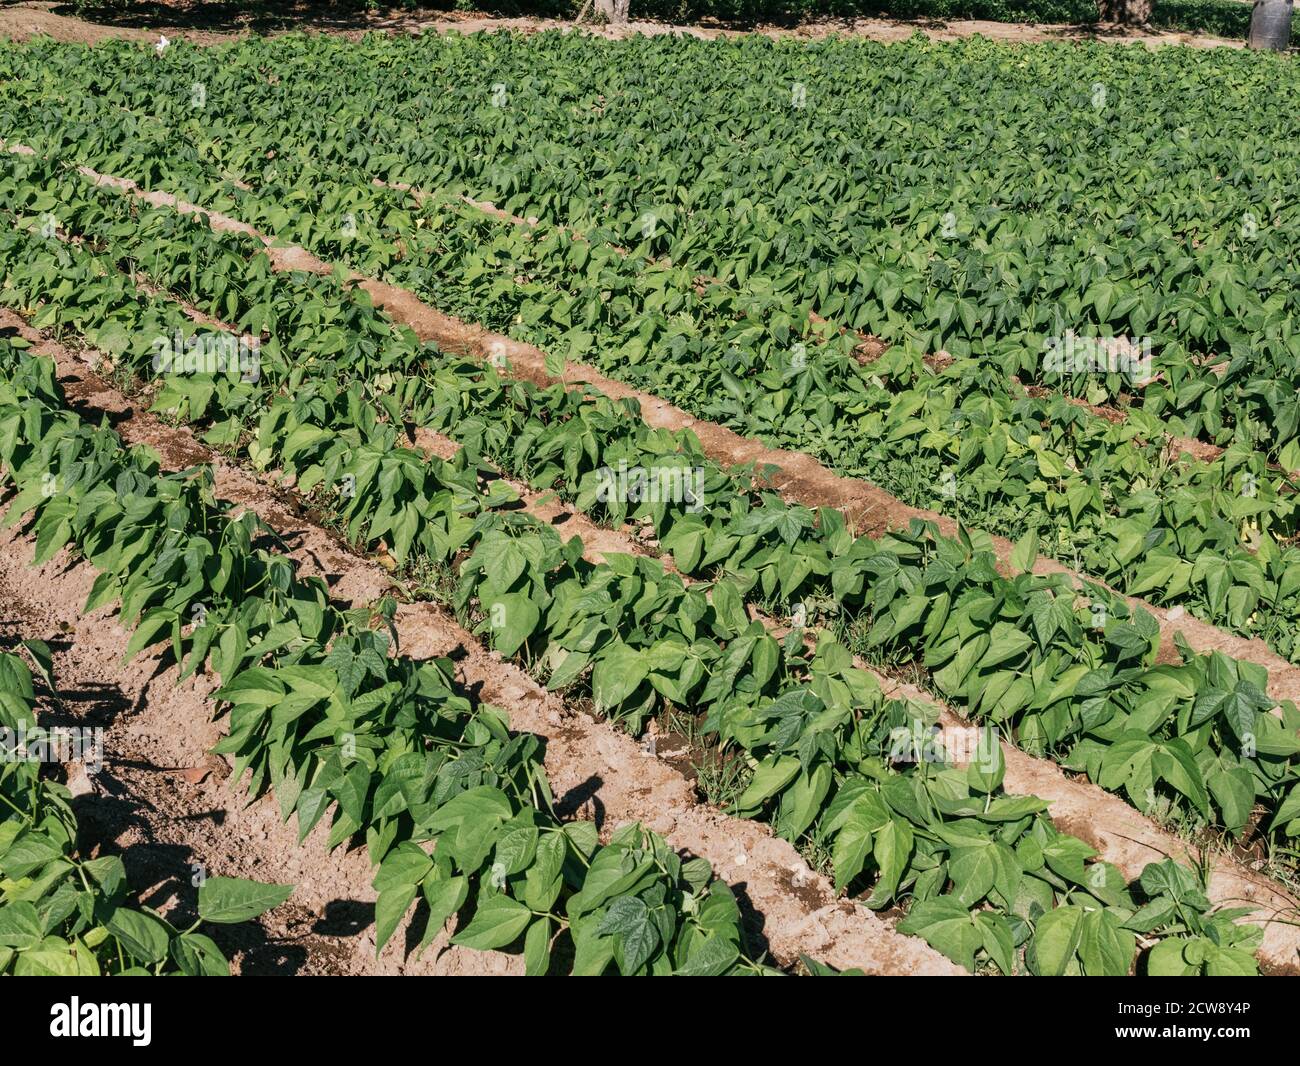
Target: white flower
[{"x": 161, "y": 45}]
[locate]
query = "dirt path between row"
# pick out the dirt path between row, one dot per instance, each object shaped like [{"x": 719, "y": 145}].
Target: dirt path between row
[
  {"x": 799, "y": 477},
  {"x": 165, "y": 806},
  {"x": 596, "y": 770},
  {"x": 868, "y": 350},
  {"x": 1120, "y": 834}
]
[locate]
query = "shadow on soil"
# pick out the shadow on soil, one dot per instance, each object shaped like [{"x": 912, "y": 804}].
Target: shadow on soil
[{"x": 264, "y": 17}]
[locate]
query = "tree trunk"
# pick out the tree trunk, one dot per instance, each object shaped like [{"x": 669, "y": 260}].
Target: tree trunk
[
  {"x": 1270, "y": 25},
  {"x": 1127, "y": 12},
  {"x": 613, "y": 11}
]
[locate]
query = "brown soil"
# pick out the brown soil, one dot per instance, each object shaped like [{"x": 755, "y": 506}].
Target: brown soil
[
  {"x": 189, "y": 22},
  {"x": 1200, "y": 450},
  {"x": 595, "y": 770},
  {"x": 167, "y": 821},
  {"x": 797, "y": 476},
  {"x": 1121, "y": 835},
  {"x": 869, "y": 348}
]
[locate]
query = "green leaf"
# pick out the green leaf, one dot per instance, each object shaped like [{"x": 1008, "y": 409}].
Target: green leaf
[
  {"x": 1166, "y": 960},
  {"x": 390, "y": 909},
  {"x": 1105, "y": 948},
  {"x": 972, "y": 871},
  {"x": 143, "y": 935},
  {"x": 999, "y": 942},
  {"x": 892, "y": 850},
  {"x": 537, "y": 948},
  {"x": 514, "y": 619},
  {"x": 227, "y": 900},
  {"x": 199, "y": 956},
  {"x": 1056, "y": 939},
  {"x": 989, "y": 766},
  {"x": 770, "y": 777},
  {"x": 1025, "y": 553},
  {"x": 1287, "y": 810},
  {"x": 498, "y": 921},
  {"x": 617, "y": 675},
  {"x": 1007, "y": 642},
  {"x": 1229, "y": 962},
  {"x": 853, "y": 843},
  {"x": 445, "y": 898},
  {"x": 1234, "y": 792},
  {"x": 710, "y": 957},
  {"x": 946, "y": 926},
  {"x": 628, "y": 920}
]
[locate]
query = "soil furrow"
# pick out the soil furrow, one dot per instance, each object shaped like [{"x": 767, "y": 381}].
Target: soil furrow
[
  {"x": 869, "y": 348},
  {"x": 1121, "y": 834},
  {"x": 164, "y": 803},
  {"x": 595, "y": 769},
  {"x": 797, "y": 476}
]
